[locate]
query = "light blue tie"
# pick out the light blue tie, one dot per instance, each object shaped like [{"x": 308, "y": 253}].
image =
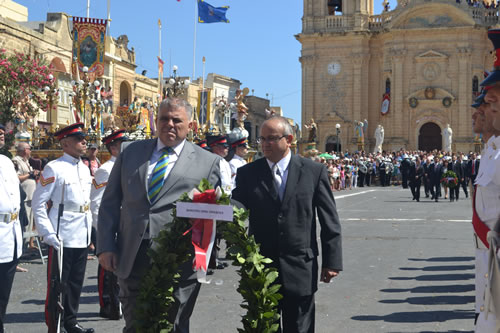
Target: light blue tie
[
  {"x": 278, "y": 180},
  {"x": 158, "y": 176}
]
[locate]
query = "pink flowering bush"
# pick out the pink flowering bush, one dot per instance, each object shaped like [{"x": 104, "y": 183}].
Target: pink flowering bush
[{"x": 22, "y": 81}]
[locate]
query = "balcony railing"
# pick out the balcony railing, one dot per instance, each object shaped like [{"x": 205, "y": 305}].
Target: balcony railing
[{"x": 337, "y": 23}]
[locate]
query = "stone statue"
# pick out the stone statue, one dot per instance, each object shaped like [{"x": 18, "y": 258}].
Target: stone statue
[
  {"x": 312, "y": 131},
  {"x": 447, "y": 136},
  {"x": 296, "y": 128},
  {"x": 379, "y": 138}
]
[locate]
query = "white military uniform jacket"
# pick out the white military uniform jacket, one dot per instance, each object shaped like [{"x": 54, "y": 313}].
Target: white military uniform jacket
[
  {"x": 235, "y": 163},
  {"x": 488, "y": 210},
  {"x": 225, "y": 173},
  {"x": 98, "y": 186},
  {"x": 10, "y": 198},
  {"x": 76, "y": 225}
]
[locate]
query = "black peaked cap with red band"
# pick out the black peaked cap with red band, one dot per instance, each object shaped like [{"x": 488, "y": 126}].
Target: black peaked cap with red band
[
  {"x": 115, "y": 136},
  {"x": 494, "y": 77},
  {"x": 240, "y": 142},
  {"x": 71, "y": 130},
  {"x": 217, "y": 140},
  {"x": 203, "y": 144}
]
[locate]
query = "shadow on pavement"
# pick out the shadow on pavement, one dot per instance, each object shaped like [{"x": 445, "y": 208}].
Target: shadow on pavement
[
  {"x": 432, "y": 300},
  {"x": 445, "y": 296},
  {"x": 419, "y": 316},
  {"x": 443, "y": 259},
  {"x": 436, "y": 277},
  {"x": 455, "y": 288},
  {"x": 25, "y": 317},
  {"x": 439, "y": 268}
]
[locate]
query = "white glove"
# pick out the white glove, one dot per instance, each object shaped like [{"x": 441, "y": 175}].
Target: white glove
[{"x": 52, "y": 241}]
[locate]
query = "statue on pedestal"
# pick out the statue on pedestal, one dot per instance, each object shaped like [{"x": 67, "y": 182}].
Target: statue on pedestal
[
  {"x": 379, "y": 138},
  {"x": 447, "y": 136}
]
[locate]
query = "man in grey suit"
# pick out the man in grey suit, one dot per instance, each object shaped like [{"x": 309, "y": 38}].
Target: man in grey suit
[
  {"x": 146, "y": 180},
  {"x": 286, "y": 194}
]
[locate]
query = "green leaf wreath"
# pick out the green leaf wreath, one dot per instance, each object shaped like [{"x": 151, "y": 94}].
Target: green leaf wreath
[
  {"x": 449, "y": 179},
  {"x": 257, "y": 285}
]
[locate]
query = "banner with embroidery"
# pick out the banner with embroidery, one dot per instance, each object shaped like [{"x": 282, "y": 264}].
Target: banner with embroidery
[
  {"x": 46, "y": 181},
  {"x": 98, "y": 186},
  {"x": 89, "y": 39}
]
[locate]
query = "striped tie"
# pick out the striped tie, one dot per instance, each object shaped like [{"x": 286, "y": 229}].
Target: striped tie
[{"x": 158, "y": 176}]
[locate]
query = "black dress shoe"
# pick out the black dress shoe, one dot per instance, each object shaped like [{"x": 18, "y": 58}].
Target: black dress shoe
[{"x": 76, "y": 328}]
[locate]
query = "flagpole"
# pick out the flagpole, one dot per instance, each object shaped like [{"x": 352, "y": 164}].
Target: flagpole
[
  {"x": 160, "y": 74},
  {"x": 88, "y": 8},
  {"x": 203, "y": 75},
  {"x": 194, "y": 39},
  {"x": 109, "y": 17}
]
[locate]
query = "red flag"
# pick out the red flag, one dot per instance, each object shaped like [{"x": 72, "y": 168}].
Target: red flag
[{"x": 160, "y": 65}]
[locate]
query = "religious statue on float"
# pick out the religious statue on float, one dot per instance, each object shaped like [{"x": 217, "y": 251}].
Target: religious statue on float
[
  {"x": 242, "y": 109},
  {"x": 313, "y": 131}
]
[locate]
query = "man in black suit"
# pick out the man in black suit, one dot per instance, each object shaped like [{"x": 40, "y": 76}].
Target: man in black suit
[
  {"x": 415, "y": 175},
  {"x": 405, "y": 168},
  {"x": 435, "y": 175},
  {"x": 472, "y": 169},
  {"x": 381, "y": 170},
  {"x": 284, "y": 194},
  {"x": 456, "y": 167},
  {"x": 465, "y": 180}
]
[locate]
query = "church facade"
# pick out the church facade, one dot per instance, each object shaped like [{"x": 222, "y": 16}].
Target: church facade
[{"x": 426, "y": 57}]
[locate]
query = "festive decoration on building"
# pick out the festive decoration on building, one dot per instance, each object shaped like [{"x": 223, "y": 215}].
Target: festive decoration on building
[{"x": 89, "y": 37}]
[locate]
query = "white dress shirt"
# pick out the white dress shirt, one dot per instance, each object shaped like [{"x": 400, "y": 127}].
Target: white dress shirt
[
  {"x": 172, "y": 158},
  {"x": 282, "y": 167}
]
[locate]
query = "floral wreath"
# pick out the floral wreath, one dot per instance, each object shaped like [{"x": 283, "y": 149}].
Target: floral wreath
[
  {"x": 449, "y": 179},
  {"x": 258, "y": 283}
]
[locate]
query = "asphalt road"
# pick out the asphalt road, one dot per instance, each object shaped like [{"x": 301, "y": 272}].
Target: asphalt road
[{"x": 408, "y": 267}]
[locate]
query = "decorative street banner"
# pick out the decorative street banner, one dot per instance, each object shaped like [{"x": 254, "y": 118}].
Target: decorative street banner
[
  {"x": 204, "y": 107},
  {"x": 89, "y": 36},
  {"x": 386, "y": 104}
]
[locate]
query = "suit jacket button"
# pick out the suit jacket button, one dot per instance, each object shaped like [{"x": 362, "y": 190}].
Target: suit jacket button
[{"x": 280, "y": 216}]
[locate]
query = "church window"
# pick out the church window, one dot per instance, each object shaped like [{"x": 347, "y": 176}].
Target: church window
[
  {"x": 475, "y": 85},
  {"x": 388, "y": 86},
  {"x": 334, "y": 6}
]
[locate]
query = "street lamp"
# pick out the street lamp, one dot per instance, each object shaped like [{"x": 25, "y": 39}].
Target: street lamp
[{"x": 337, "y": 127}]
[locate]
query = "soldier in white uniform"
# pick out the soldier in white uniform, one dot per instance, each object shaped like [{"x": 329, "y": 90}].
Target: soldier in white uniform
[
  {"x": 10, "y": 228},
  {"x": 486, "y": 209},
  {"x": 106, "y": 281},
  {"x": 219, "y": 146},
  {"x": 67, "y": 180},
  {"x": 240, "y": 151}
]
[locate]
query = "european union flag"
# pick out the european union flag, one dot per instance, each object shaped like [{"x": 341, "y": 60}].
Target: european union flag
[{"x": 210, "y": 14}]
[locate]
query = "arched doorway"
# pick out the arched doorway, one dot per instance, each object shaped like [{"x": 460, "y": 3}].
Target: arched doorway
[
  {"x": 124, "y": 94},
  {"x": 331, "y": 144},
  {"x": 429, "y": 137}
]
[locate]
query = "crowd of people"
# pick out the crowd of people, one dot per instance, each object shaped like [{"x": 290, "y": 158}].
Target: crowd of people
[
  {"x": 347, "y": 171},
  {"x": 480, "y": 4}
]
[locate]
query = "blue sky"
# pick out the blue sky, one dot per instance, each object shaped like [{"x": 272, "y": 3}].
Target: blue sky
[{"x": 257, "y": 47}]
